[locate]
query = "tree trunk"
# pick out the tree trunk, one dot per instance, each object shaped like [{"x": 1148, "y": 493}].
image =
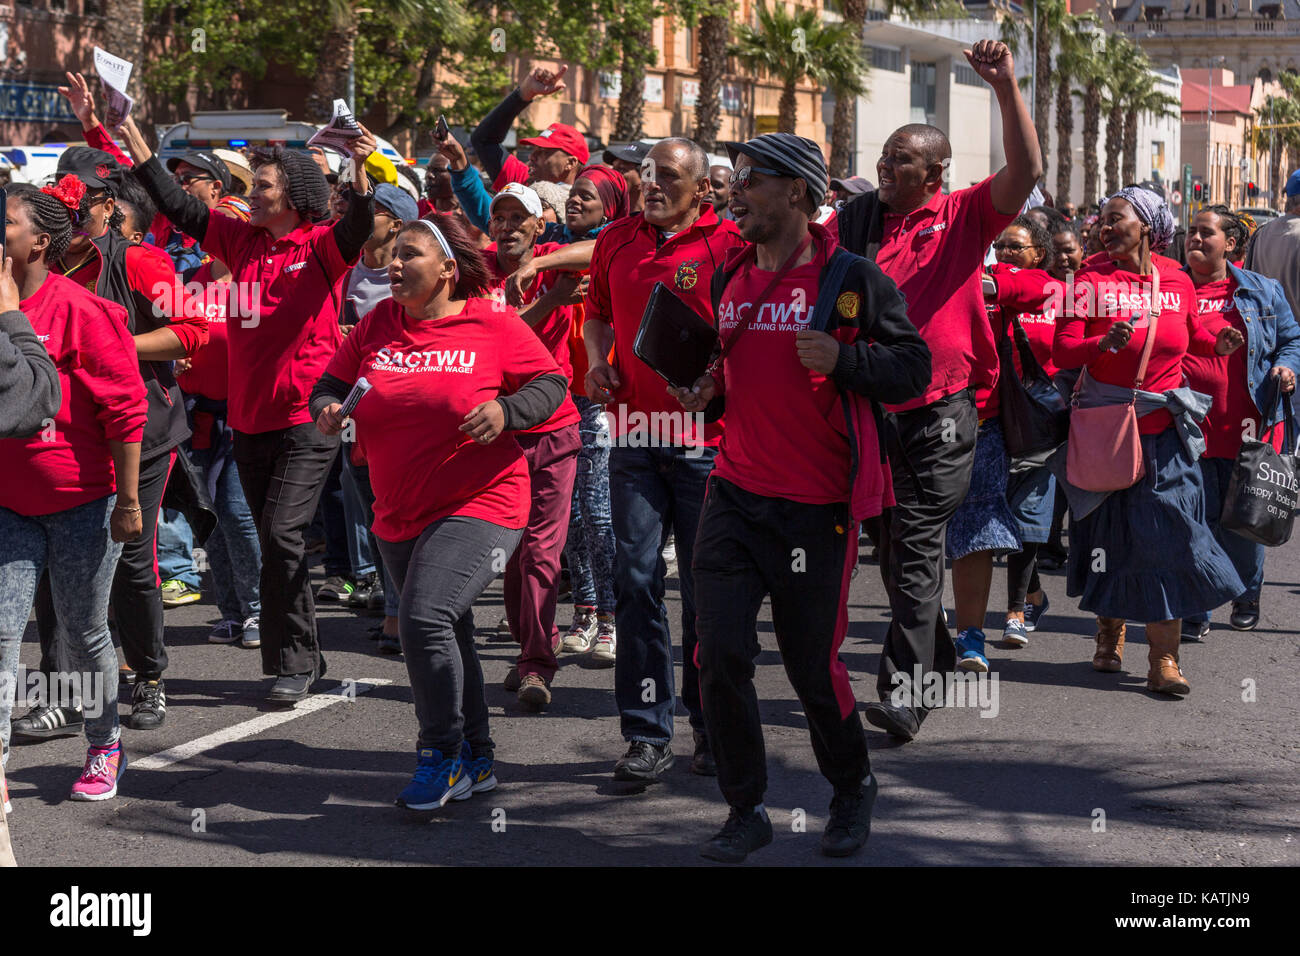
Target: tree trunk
[
  {"x": 124, "y": 37},
  {"x": 846, "y": 107},
  {"x": 714, "y": 33},
  {"x": 631, "y": 97},
  {"x": 1130, "y": 146},
  {"x": 1064, "y": 132},
  {"x": 1042, "y": 84},
  {"x": 1114, "y": 147},
  {"x": 423, "y": 90},
  {"x": 1091, "y": 142},
  {"x": 331, "y": 79},
  {"x": 787, "y": 112}
]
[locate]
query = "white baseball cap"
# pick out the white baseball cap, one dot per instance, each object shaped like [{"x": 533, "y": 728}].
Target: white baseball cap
[{"x": 531, "y": 201}]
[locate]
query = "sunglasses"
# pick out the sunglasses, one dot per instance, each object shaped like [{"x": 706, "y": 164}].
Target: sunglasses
[
  {"x": 189, "y": 179},
  {"x": 740, "y": 178}
]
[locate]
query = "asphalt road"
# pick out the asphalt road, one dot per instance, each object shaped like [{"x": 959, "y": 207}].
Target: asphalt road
[{"x": 1075, "y": 768}]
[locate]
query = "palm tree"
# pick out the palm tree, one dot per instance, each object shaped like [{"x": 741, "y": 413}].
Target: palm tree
[
  {"x": 1123, "y": 70},
  {"x": 1089, "y": 69},
  {"x": 1143, "y": 97},
  {"x": 713, "y": 36},
  {"x": 1050, "y": 17},
  {"x": 1074, "y": 47},
  {"x": 1283, "y": 114},
  {"x": 791, "y": 48}
]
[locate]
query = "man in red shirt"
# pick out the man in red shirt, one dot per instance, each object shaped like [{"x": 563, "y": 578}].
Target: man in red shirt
[
  {"x": 932, "y": 245},
  {"x": 550, "y": 448},
  {"x": 661, "y": 456},
  {"x": 812, "y": 338},
  {"x": 558, "y": 151}
]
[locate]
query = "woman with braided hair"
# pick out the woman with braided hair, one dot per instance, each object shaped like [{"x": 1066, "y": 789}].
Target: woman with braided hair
[
  {"x": 68, "y": 496},
  {"x": 1142, "y": 553},
  {"x": 1245, "y": 387},
  {"x": 165, "y": 324}
]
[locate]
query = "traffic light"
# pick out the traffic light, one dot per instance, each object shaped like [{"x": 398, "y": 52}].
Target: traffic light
[
  {"x": 1252, "y": 190},
  {"x": 1198, "y": 191}
]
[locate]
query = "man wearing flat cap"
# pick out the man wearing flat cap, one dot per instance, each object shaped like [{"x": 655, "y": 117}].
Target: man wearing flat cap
[{"x": 813, "y": 339}]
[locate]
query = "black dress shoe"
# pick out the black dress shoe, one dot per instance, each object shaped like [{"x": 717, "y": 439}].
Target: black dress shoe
[
  {"x": 291, "y": 688},
  {"x": 1245, "y": 615},
  {"x": 850, "y": 822},
  {"x": 703, "y": 762},
  {"x": 643, "y": 762},
  {"x": 1194, "y": 632},
  {"x": 893, "y": 719},
  {"x": 742, "y": 834}
]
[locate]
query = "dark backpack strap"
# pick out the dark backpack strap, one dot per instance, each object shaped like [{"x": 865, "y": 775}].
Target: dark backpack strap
[
  {"x": 861, "y": 226},
  {"x": 830, "y": 286}
]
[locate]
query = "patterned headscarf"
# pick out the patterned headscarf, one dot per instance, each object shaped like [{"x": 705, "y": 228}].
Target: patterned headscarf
[{"x": 1153, "y": 212}]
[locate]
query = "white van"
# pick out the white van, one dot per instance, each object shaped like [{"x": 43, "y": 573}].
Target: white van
[
  {"x": 235, "y": 129},
  {"x": 32, "y": 164}
]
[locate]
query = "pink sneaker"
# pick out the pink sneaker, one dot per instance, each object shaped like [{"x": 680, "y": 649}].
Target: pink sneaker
[{"x": 99, "y": 780}]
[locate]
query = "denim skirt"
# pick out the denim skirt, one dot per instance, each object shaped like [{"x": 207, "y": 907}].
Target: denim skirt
[
  {"x": 1032, "y": 495},
  {"x": 983, "y": 521},
  {"x": 1146, "y": 553}
]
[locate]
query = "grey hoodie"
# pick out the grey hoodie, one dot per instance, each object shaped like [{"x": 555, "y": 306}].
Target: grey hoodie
[{"x": 29, "y": 382}]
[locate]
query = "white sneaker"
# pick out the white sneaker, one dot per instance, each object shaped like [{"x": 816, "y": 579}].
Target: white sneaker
[
  {"x": 578, "y": 639},
  {"x": 252, "y": 636},
  {"x": 602, "y": 652},
  {"x": 225, "y": 632}
]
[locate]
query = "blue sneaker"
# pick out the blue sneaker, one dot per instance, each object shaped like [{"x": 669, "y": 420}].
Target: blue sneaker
[
  {"x": 1034, "y": 613},
  {"x": 435, "y": 782},
  {"x": 1015, "y": 633},
  {"x": 970, "y": 651},
  {"x": 478, "y": 772}
]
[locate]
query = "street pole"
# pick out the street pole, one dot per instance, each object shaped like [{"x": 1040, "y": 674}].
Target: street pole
[{"x": 1209, "y": 135}]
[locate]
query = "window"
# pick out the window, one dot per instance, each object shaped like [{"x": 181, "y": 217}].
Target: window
[
  {"x": 883, "y": 58},
  {"x": 923, "y": 96},
  {"x": 963, "y": 74}
]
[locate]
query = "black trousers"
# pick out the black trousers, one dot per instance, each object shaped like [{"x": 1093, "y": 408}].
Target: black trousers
[
  {"x": 749, "y": 547},
  {"x": 136, "y": 598},
  {"x": 282, "y": 473},
  {"x": 931, "y": 452}
]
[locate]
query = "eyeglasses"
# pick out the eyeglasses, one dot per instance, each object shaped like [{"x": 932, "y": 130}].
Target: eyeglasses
[
  {"x": 740, "y": 178},
  {"x": 1010, "y": 247}
]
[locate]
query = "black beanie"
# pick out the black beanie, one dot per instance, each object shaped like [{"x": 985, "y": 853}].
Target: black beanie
[{"x": 309, "y": 193}]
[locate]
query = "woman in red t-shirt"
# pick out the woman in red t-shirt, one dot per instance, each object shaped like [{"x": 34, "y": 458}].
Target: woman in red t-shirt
[
  {"x": 449, "y": 371},
  {"x": 1143, "y": 553},
  {"x": 68, "y": 495},
  {"x": 1025, "y": 292},
  {"x": 1243, "y": 386}
]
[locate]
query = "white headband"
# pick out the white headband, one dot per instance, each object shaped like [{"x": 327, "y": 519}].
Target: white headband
[{"x": 442, "y": 240}]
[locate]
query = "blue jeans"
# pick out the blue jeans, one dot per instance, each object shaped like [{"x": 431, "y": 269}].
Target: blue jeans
[
  {"x": 76, "y": 548},
  {"x": 590, "y": 548},
  {"x": 654, "y": 491},
  {"x": 360, "y": 475},
  {"x": 356, "y": 524},
  {"x": 234, "y": 554},
  {"x": 176, "y": 549},
  {"x": 1246, "y": 556},
  {"x": 347, "y": 548}
]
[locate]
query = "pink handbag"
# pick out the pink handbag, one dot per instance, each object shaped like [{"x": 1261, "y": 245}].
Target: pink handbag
[{"x": 1105, "y": 449}]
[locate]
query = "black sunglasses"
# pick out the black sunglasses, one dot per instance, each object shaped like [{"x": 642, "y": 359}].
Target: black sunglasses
[
  {"x": 740, "y": 178},
  {"x": 190, "y": 178}
]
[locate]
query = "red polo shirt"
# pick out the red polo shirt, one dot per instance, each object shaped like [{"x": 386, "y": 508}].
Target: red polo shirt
[
  {"x": 553, "y": 331},
  {"x": 283, "y": 321},
  {"x": 935, "y": 255},
  {"x": 425, "y": 377},
  {"x": 628, "y": 260}
]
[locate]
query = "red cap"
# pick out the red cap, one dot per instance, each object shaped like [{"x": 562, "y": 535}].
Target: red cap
[{"x": 563, "y": 137}]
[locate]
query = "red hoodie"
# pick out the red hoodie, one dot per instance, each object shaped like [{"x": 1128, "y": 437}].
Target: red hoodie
[{"x": 103, "y": 400}]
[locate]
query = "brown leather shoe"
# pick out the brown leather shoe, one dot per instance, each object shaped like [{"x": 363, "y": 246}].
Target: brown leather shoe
[
  {"x": 1110, "y": 645},
  {"x": 533, "y": 692},
  {"x": 1165, "y": 676}
]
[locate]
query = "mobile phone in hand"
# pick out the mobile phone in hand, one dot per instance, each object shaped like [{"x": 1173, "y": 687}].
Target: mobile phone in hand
[{"x": 441, "y": 131}]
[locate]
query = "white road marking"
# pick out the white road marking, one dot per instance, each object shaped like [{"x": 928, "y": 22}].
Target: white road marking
[{"x": 259, "y": 724}]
